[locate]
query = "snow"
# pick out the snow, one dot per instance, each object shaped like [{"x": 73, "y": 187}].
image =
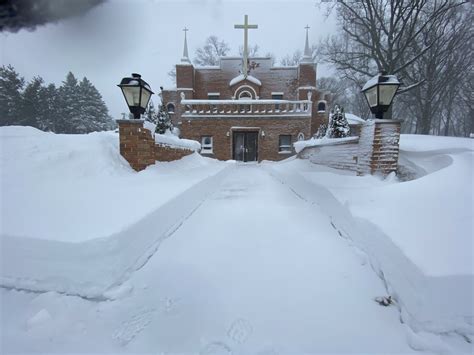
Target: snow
[
  {"x": 283, "y": 257},
  {"x": 418, "y": 233},
  {"x": 174, "y": 141},
  {"x": 313, "y": 142},
  {"x": 353, "y": 119},
  {"x": 68, "y": 185},
  {"x": 242, "y": 77},
  {"x": 239, "y": 102},
  {"x": 391, "y": 79}
]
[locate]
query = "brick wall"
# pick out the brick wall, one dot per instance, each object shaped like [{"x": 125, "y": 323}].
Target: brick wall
[
  {"x": 138, "y": 146},
  {"x": 339, "y": 155},
  {"x": 167, "y": 153},
  {"x": 375, "y": 152},
  {"x": 221, "y": 130}
]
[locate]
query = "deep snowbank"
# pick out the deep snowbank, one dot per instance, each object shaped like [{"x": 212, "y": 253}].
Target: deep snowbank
[
  {"x": 418, "y": 233},
  {"x": 78, "y": 187},
  {"x": 58, "y": 189}
]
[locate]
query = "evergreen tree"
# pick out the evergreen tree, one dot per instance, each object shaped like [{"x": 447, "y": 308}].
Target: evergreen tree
[
  {"x": 69, "y": 107},
  {"x": 321, "y": 132},
  {"x": 33, "y": 104},
  {"x": 93, "y": 113},
  {"x": 163, "y": 120},
  {"x": 150, "y": 114},
  {"x": 338, "y": 125},
  {"x": 51, "y": 115},
  {"x": 11, "y": 85}
]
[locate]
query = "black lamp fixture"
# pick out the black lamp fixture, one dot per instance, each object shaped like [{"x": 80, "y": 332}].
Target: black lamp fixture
[
  {"x": 379, "y": 92},
  {"x": 137, "y": 94}
]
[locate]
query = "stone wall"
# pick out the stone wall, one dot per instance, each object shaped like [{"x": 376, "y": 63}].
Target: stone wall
[
  {"x": 221, "y": 129},
  {"x": 375, "y": 152},
  {"x": 138, "y": 146}
]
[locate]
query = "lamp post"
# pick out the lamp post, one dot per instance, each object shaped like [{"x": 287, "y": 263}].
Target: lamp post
[
  {"x": 137, "y": 94},
  {"x": 379, "y": 92}
]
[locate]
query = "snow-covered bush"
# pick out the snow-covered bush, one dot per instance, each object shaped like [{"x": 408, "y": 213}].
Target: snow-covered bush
[{"x": 338, "y": 125}]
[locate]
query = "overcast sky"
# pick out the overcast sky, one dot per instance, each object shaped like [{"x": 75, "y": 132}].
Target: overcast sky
[{"x": 145, "y": 36}]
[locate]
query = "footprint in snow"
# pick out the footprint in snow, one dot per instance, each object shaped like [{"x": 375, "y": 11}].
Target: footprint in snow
[
  {"x": 240, "y": 330},
  {"x": 132, "y": 327},
  {"x": 216, "y": 347}
]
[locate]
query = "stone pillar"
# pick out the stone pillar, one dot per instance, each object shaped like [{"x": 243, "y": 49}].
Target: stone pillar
[
  {"x": 385, "y": 148},
  {"x": 137, "y": 144}
]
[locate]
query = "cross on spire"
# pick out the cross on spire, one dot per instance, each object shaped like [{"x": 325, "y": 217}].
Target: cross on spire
[
  {"x": 245, "y": 27},
  {"x": 307, "y": 56},
  {"x": 185, "y": 58}
]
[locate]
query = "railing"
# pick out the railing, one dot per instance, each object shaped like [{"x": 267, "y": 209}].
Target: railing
[{"x": 193, "y": 108}]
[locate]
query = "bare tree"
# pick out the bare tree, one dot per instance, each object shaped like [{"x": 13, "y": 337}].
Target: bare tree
[
  {"x": 291, "y": 60},
  {"x": 252, "y": 50},
  {"x": 376, "y": 35},
  {"x": 212, "y": 50},
  {"x": 443, "y": 68}
]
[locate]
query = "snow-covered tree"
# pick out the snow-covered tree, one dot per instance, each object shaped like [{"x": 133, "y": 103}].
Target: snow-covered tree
[
  {"x": 33, "y": 105},
  {"x": 11, "y": 85},
  {"x": 94, "y": 114},
  {"x": 69, "y": 107},
  {"x": 338, "y": 125},
  {"x": 150, "y": 114},
  {"x": 163, "y": 120},
  {"x": 321, "y": 132}
]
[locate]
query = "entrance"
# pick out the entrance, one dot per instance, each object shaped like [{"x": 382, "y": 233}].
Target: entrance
[{"x": 245, "y": 146}]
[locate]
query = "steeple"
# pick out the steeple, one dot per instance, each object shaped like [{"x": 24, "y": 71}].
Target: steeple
[
  {"x": 307, "y": 56},
  {"x": 185, "y": 58}
]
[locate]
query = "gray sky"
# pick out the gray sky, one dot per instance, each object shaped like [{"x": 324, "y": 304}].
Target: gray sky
[{"x": 145, "y": 36}]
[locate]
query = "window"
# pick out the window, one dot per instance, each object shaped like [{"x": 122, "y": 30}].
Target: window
[
  {"x": 301, "y": 136},
  {"x": 285, "y": 144},
  {"x": 321, "y": 106},
  {"x": 170, "y": 108},
  {"x": 244, "y": 95},
  {"x": 213, "y": 96},
  {"x": 277, "y": 96},
  {"x": 206, "y": 145}
]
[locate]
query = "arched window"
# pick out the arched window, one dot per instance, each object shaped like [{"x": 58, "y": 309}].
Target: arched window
[
  {"x": 170, "y": 108},
  {"x": 321, "y": 106},
  {"x": 301, "y": 136}
]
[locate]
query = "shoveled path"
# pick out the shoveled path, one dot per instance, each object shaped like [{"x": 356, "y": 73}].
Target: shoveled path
[{"x": 254, "y": 270}]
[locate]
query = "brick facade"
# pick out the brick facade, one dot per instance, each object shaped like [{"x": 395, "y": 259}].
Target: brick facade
[
  {"x": 269, "y": 131},
  {"x": 292, "y": 83}
]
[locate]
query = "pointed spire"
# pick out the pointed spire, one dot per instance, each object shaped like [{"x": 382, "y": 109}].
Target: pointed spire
[
  {"x": 185, "y": 58},
  {"x": 307, "y": 56}
]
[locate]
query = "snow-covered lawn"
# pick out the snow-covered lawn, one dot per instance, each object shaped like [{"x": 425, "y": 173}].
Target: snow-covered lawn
[
  {"x": 74, "y": 188},
  {"x": 200, "y": 256}
]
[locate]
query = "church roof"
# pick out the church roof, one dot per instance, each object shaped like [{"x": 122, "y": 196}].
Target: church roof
[{"x": 242, "y": 77}]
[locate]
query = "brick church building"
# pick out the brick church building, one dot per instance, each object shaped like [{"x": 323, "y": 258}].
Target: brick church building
[{"x": 245, "y": 108}]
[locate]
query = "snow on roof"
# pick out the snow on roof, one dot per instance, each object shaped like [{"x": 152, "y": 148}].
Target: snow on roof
[
  {"x": 171, "y": 140},
  {"x": 391, "y": 79},
  {"x": 353, "y": 119},
  {"x": 241, "y": 77},
  {"x": 313, "y": 142},
  {"x": 208, "y": 67}
]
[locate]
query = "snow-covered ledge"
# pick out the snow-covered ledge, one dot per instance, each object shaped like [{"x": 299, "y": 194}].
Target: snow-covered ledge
[
  {"x": 172, "y": 141},
  {"x": 300, "y": 145}
]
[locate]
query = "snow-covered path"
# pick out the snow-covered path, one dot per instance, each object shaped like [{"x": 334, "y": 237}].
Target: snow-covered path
[{"x": 255, "y": 269}]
